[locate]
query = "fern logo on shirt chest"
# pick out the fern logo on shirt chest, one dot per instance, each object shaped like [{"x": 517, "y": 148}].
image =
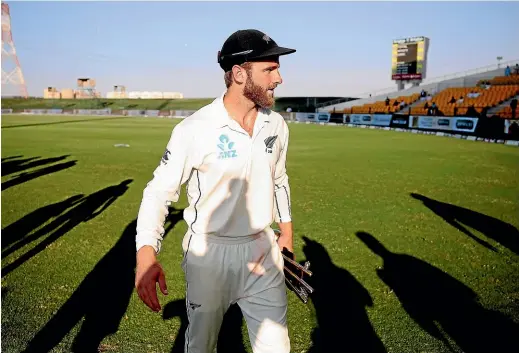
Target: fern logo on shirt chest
[{"x": 269, "y": 143}]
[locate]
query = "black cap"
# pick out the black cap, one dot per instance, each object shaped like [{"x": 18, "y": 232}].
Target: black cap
[{"x": 248, "y": 45}]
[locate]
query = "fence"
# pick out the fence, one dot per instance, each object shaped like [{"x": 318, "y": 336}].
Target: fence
[{"x": 105, "y": 112}]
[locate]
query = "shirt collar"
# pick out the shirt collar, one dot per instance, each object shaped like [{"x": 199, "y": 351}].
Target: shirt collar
[{"x": 222, "y": 117}]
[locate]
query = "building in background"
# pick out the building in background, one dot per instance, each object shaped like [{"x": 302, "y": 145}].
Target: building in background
[
  {"x": 51, "y": 93},
  {"x": 86, "y": 89}
]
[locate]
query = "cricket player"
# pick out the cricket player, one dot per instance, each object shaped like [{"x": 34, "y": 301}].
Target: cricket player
[{"x": 231, "y": 154}]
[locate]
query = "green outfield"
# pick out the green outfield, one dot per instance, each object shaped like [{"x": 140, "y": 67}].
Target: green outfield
[
  {"x": 413, "y": 240},
  {"x": 18, "y": 105}
]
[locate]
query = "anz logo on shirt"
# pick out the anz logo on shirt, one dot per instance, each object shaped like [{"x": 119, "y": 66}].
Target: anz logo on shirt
[{"x": 226, "y": 147}]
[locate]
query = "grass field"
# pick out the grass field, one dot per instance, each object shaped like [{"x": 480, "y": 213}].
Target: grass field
[
  {"x": 104, "y": 103},
  {"x": 413, "y": 240}
]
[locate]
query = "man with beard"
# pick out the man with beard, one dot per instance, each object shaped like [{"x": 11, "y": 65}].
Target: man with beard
[{"x": 231, "y": 153}]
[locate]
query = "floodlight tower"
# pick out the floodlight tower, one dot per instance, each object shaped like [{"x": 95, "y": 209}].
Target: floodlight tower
[
  {"x": 499, "y": 58},
  {"x": 11, "y": 70}
]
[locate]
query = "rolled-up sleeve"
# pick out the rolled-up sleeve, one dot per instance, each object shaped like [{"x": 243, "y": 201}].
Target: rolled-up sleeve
[
  {"x": 164, "y": 188},
  {"x": 282, "y": 204}
]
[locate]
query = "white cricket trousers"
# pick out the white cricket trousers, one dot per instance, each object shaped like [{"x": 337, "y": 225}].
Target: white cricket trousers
[{"x": 221, "y": 271}]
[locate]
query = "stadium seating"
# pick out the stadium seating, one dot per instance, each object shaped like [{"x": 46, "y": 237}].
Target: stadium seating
[
  {"x": 506, "y": 113},
  {"x": 380, "y": 106},
  {"x": 502, "y": 80},
  {"x": 489, "y": 98},
  {"x": 472, "y": 100}
]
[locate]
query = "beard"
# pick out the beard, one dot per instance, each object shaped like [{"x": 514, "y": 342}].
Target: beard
[{"x": 257, "y": 94}]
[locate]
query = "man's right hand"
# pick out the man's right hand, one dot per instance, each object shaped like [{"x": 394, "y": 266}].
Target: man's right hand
[{"x": 149, "y": 272}]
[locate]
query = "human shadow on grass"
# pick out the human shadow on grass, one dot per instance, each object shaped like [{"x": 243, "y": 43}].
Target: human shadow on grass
[
  {"x": 459, "y": 217},
  {"x": 340, "y": 303},
  {"x": 21, "y": 228},
  {"x": 13, "y": 163},
  {"x": 442, "y": 305},
  {"x": 11, "y": 157},
  {"x": 230, "y": 337},
  {"x": 12, "y": 166},
  {"x": 101, "y": 299},
  {"x": 85, "y": 210},
  {"x": 28, "y": 176}
]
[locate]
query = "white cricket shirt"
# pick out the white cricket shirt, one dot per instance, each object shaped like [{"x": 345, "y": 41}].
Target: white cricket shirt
[{"x": 237, "y": 185}]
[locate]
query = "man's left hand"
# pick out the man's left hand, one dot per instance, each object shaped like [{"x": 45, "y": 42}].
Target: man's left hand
[
  {"x": 286, "y": 238},
  {"x": 286, "y": 241}
]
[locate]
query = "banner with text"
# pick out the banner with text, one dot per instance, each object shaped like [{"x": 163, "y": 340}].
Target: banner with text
[
  {"x": 54, "y": 111},
  {"x": 370, "y": 119},
  {"x": 183, "y": 113},
  {"x": 360, "y": 119},
  {"x": 462, "y": 124},
  {"x": 305, "y": 116},
  {"x": 35, "y": 111},
  {"x": 430, "y": 123},
  {"x": 381, "y": 119},
  {"x": 93, "y": 111},
  {"x": 134, "y": 112},
  {"x": 399, "y": 121}
]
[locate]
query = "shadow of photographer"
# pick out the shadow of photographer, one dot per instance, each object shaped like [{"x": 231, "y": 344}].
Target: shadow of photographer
[
  {"x": 460, "y": 217},
  {"x": 101, "y": 299},
  {"x": 443, "y": 306},
  {"x": 13, "y": 165},
  {"x": 84, "y": 210},
  {"x": 340, "y": 303}
]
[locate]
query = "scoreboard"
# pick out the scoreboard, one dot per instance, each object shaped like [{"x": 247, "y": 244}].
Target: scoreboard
[{"x": 409, "y": 58}]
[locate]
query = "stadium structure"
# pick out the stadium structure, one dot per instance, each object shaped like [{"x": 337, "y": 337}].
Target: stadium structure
[
  {"x": 487, "y": 91},
  {"x": 493, "y": 90}
]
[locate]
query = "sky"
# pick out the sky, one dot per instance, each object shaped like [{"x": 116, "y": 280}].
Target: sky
[{"x": 343, "y": 48}]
